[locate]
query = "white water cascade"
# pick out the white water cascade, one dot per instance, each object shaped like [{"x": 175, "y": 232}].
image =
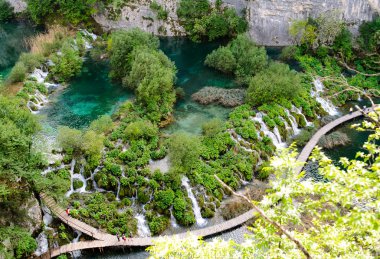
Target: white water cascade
[
  {"x": 142, "y": 226},
  {"x": 293, "y": 122},
  {"x": 76, "y": 254},
  {"x": 326, "y": 104},
  {"x": 276, "y": 138},
  {"x": 197, "y": 210},
  {"x": 71, "y": 178},
  {"x": 173, "y": 221},
  {"x": 81, "y": 178},
  {"x": 299, "y": 111},
  {"x": 39, "y": 75}
]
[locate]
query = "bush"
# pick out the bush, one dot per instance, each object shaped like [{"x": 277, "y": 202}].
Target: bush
[
  {"x": 241, "y": 57},
  {"x": 274, "y": 83},
  {"x": 6, "y": 11},
  {"x": 140, "y": 129},
  {"x": 164, "y": 199},
  {"x": 158, "y": 224},
  {"x": 17, "y": 73},
  {"x": 202, "y": 21},
  {"x": 101, "y": 125},
  {"x": 222, "y": 59},
  {"x": 66, "y": 65},
  {"x": 162, "y": 14},
  {"x": 31, "y": 60},
  {"x": 184, "y": 151},
  {"x": 120, "y": 46},
  {"x": 26, "y": 245}
]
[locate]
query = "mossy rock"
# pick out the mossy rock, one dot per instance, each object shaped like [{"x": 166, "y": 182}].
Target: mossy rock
[
  {"x": 110, "y": 196},
  {"x": 77, "y": 184},
  {"x": 207, "y": 212},
  {"x": 89, "y": 185},
  {"x": 143, "y": 195}
]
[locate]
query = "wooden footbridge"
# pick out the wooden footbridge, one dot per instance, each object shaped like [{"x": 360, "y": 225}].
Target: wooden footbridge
[{"x": 103, "y": 239}]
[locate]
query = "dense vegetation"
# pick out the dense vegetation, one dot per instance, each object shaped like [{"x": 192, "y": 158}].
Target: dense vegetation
[
  {"x": 204, "y": 21},
  {"x": 6, "y": 11},
  {"x": 336, "y": 218},
  {"x": 137, "y": 62}
]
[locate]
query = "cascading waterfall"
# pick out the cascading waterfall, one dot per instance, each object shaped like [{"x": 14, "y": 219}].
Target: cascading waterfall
[
  {"x": 82, "y": 179},
  {"x": 142, "y": 226},
  {"x": 326, "y": 104},
  {"x": 275, "y": 140},
  {"x": 293, "y": 122},
  {"x": 173, "y": 220},
  {"x": 96, "y": 188},
  {"x": 197, "y": 211},
  {"x": 71, "y": 178},
  {"x": 39, "y": 75},
  {"x": 77, "y": 253},
  {"x": 299, "y": 111},
  {"x": 42, "y": 239},
  {"x": 287, "y": 127}
]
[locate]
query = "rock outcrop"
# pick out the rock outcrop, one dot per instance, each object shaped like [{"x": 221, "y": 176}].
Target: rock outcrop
[{"x": 268, "y": 20}]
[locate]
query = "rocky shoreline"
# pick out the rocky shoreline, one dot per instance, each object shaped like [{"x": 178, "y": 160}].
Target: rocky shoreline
[{"x": 215, "y": 95}]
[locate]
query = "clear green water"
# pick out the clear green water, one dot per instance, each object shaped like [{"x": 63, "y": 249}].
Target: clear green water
[
  {"x": 13, "y": 36},
  {"x": 192, "y": 76},
  {"x": 87, "y": 97}
]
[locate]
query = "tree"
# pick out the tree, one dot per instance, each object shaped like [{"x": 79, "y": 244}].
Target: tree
[
  {"x": 141, "y": 129},
  {"x": 273, "y": 83},
  {"x": 222, "y": 59},
  {"x": 333, "y": 218},
  {"x": 120, "y": 46},
  {"x": 102, "y": 125},
  {"x": 184, "y": 151},
  {"x": 6, "y": 11},
  {"x": 241, "y": 57}
]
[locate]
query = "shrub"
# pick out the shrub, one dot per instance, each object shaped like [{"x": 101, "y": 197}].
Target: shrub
[
  {"x": 102, "y": 125},
  {"x": 276, "y": 82},
  {"x": 31, "y": 60},
  {"x": 162, "y": 14},
  {"x": 66, "y": 65},
  {"x": 184, "y": 151},
  {"x": 6, "y": 11},
  {"x": 164, "y": 199},
  {"x": 158, "y": 224},
  {"x": 222, "y": 59},
  {"x": 140, "y": 129},
  {"x": 121, "y": 44},
  {"x": 17, "y": 73},
  {"x": 241, "y": 57},
  {"x": 202, "y": 21}
]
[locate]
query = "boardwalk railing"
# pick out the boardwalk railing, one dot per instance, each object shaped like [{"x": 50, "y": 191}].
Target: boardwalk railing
[{"x": 107, "y": 240}]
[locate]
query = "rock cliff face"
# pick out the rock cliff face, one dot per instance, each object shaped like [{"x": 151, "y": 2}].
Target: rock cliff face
[{"x": 269, "y": 20}]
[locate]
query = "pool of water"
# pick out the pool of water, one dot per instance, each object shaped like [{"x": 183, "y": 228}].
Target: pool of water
[
  {"x": 13, "y": 41},
  {"x": 87, "y": 97}
]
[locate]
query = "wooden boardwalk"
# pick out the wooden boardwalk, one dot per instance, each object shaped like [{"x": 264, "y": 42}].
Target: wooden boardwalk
[
  {"x": 107, "y": 240},
  {"x": 306, "y": 151}
]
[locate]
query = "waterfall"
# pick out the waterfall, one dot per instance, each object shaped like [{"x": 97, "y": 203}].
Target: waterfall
[
  {"x": 276, "y": 141},
  {"x": 42, "y": 244},
  {"x": 197, "y": 211},
  {"x": 326, "y": 104},
  {"x": 96, "y": 188},
  {"x": 287, "y": 127},
  {"x": 278, "y": 135},
  {"x": 142, "y": 227},
  {"x": 39, "y": 75},
  {"x": 293, "y": 122},
  {"x": 173, "y": 221},
  {"x": 77, "y": 253},
  {"x": 299, "y": 111},
  {"x": 237, "y": 140},
  {"x": 71, "y": 178}
]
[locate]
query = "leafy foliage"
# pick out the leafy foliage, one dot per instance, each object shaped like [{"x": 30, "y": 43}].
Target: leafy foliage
[
  {"x": 241, "y": 57},
  {"x": 333, "y": 218},
  {"x": 202, "y": 21},
  {"x": 276, "y": 82},
  {"x": 6, "y": 11}
]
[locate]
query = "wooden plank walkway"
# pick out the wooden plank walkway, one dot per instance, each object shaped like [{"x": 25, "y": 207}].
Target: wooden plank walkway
[
  {"x": 306, "y": 151},
  {"x": 74, "y": 223},
  {"x": 107, "y": 240}
]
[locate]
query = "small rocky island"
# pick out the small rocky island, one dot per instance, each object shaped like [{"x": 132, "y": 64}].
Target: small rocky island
[{"x": 215, "y": 95}]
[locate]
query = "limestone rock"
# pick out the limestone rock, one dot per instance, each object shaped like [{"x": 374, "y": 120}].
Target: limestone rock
[{"x": 33, "y": 221}]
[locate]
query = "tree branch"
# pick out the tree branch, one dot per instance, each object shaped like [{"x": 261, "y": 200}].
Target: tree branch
[
  {"x": 354, "y": 70},
  {"x": 280, "y": 228}
]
